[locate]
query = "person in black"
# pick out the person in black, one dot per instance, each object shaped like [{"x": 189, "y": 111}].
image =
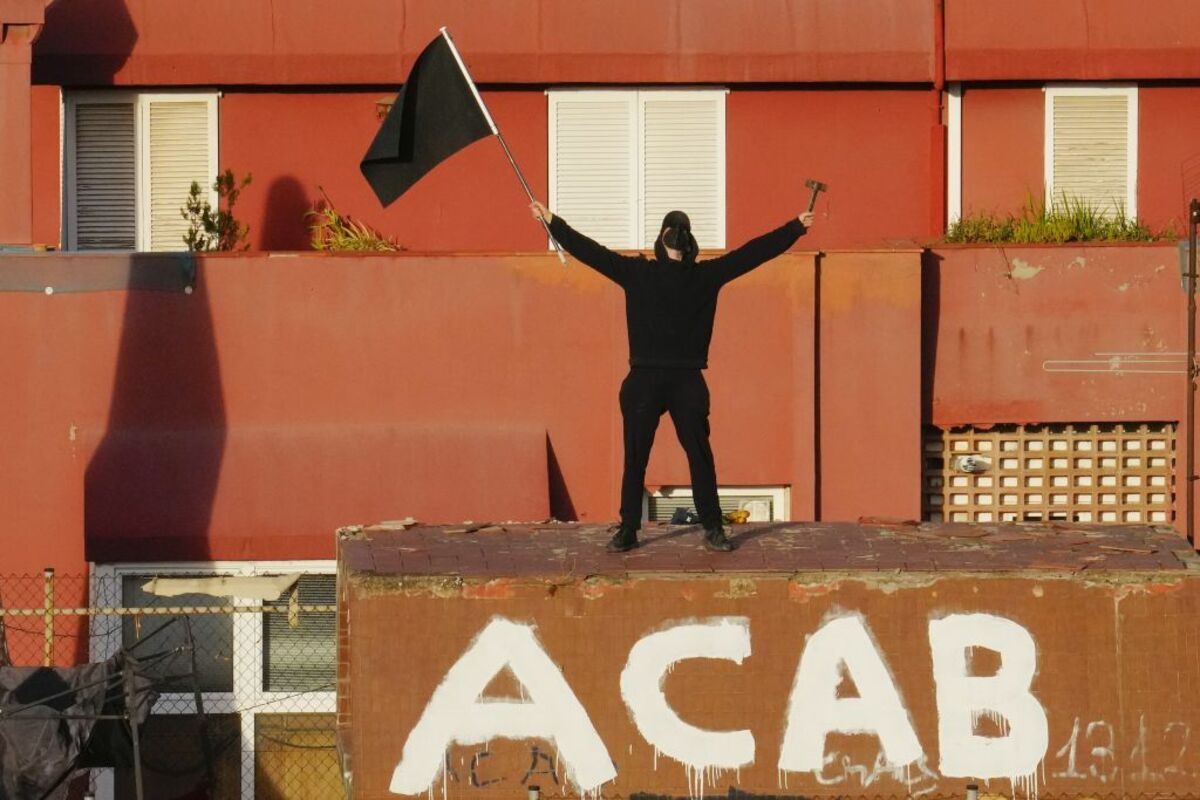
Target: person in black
[{"x": 670, "y": 304}]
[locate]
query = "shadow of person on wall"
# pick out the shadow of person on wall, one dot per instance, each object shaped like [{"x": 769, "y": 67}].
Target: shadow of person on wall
[
  {"x": 151, "y": 483},
  {"x": 284, "y": 225},
  {"x": 83, "y": 43},
  {"x": 931, "y": 304},
  {"x": 561, "y": 506}
]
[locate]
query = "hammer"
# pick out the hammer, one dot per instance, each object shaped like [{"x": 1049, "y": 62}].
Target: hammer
[{"x": 816, "y": 187}]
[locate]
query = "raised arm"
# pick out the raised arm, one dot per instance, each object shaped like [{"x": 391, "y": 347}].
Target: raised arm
[
  {"x": 613, "y": 266},
  {"x": 758, "y": 251}
]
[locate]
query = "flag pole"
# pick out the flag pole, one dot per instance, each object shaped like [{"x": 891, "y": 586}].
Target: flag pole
[{"x": 492, "y": 124}]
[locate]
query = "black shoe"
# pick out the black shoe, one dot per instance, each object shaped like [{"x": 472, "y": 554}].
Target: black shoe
[
  {"x": 714, "y": 539},
  {"x": 624, "y": 539}
]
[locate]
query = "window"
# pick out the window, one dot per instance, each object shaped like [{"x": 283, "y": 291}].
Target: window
[
  {"x": 266, "y": 680},
  {"x": 129, "y": 162},
  {"x": 765, "y": 503},
  {"x": 621, "y": 159},
  {"x": 1091, "y": 147},
  {"x": 300, "y": 652},
  {"x": 1108, "y": 473}
]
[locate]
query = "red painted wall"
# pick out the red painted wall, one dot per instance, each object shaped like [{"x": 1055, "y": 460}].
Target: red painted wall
[
  {"x": 47, "y": 172},
  {"x": 1003, "y": 149},
  {"x": 1003, "y": 146},
  {"x": 998, "y": 315},
  {"x": 472, "y": 202},
  {"x": 291, "y": 394},
  {"x": 870, "y": 385},
  {"x": 1082, "y": 40},
  {"x": 154, "y": 42},
  {"x": 870, "y": 145},
  {"x": 1168, "y": 154},
  {"x": 994, "y": 317}
]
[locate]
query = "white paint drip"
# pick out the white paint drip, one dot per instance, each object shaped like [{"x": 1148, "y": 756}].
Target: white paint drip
[
  {"x": 844, "y": 644},
  {"x": 1006, "y": 698},
  {"x": 994, "y": 717},
  {"x": 1027, "y": 783},
  {"x": 704, "y": 754}
]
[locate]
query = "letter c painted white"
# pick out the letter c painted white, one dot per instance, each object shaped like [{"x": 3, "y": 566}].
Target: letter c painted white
[
  {"x": 457, "y": 714},
  {"x": 642, "y": 680}
]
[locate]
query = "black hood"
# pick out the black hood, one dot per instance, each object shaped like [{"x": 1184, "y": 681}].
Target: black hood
[{"x": 680, "y": 237}]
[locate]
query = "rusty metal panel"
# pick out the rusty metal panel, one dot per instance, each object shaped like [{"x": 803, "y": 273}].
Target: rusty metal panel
[{"x": 1107, "y": 473}]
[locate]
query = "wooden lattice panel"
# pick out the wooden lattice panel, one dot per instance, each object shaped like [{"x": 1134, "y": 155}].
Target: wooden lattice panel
[{"x": 1118, "y": 473}]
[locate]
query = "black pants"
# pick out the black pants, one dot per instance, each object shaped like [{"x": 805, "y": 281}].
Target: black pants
[{"x": 645, "y": 394}]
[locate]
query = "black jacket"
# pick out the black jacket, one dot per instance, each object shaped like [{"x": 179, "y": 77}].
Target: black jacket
[{"x": 670, "y": 305}]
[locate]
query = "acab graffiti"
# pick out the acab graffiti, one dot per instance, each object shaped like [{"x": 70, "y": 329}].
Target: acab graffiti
[{"x": 458, "y": 713}]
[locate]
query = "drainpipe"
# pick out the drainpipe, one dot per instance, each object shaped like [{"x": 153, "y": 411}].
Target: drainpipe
[{"x": 937, "y": 134}]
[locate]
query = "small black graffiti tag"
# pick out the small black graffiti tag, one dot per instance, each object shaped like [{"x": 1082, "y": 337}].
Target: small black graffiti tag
[{"x": 549, "y": 768}]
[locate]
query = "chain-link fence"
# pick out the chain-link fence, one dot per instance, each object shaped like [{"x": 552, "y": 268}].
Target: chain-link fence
[{"x": 246, "y": 682}]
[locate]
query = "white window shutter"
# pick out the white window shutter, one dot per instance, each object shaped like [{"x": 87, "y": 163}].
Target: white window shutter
[
  {"x": 104, "y": 193},
  {"x": 180, "y": 152},
  {"x": 1092, "y": 150},
  {"x": 683, "y": 163},
  {"x": 593, "y": 164}
]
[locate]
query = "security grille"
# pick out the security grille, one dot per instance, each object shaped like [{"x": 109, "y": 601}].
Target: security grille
[
  {"x": 300, "y": 651},
  {"x": 1109, "y": 473}
]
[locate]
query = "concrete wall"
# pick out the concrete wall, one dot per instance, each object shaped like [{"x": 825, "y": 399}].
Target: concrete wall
[{"x": 1093, "y": 677}]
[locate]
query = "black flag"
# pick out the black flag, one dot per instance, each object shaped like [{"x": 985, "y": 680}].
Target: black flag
[{"x": 436, "y": 114}]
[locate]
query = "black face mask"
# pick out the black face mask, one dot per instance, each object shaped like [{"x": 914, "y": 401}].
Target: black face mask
[{"x": 676, "y": 233}]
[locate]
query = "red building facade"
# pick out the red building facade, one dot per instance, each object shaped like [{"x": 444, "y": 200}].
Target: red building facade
[
  {"x": 222, "y": 412},
  {"x": 913, "y": 113}
]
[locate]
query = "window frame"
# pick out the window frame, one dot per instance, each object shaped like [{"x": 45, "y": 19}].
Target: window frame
[
  {"x": 1130, "y": 91},
  {"x": 780, "y": 495},
  {"x": 638, "y": 97},
  {"x": 141, "y": 113},
  {"x": 248, "y": 698}
]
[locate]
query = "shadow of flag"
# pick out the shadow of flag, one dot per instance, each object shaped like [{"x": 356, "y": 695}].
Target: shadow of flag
[{"x": 436, "y": 114}]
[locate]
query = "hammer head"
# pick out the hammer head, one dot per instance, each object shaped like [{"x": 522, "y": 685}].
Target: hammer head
[{"x": 817, "y": 187}]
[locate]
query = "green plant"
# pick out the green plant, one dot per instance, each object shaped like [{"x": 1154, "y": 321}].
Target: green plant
[
  {"x": 1069, "y": 220},
  {"x": 218, "y": 229},
  {"x": 332, "y": 230}
]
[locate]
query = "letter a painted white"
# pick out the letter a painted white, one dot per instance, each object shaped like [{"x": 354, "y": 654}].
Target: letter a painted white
[
  {"x": 456, "y": 714},
  {"x": 962, "y": 698},
  {"x": 642, "y": 689},
  {"x": 815, "y": 710}
]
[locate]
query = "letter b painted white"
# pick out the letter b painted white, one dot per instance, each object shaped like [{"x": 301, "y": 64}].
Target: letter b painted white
[
  {"x": 456, "y": 714},
  {"x": 963, "y": 698},
  {"x": 642, "y": 689},
  {"x": 815, "y": 710}
]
